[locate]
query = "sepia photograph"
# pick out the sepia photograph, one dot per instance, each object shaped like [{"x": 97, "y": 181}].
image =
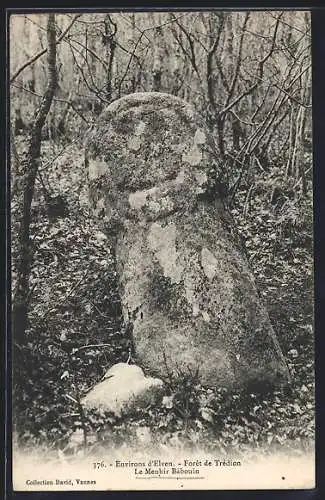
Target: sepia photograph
[{"x": 161, "y": 173}]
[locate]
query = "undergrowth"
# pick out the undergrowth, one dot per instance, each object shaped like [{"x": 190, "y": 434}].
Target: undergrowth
[{"x": 76, "y": 331}]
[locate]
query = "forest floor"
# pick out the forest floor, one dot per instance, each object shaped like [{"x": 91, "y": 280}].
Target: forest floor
[{"x": 75, "y": 304}]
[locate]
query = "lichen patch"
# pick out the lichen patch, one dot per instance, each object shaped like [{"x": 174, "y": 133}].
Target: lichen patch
[
  {"x": 134, "y": 143},
  {"x": 206, "y": 316},
  {"x": 199, "y": 137},
  {"x": 100, "y": 205},
  {"x": 96, "y": 169},
  {"x": 201, "y": 177},
  {"x": 195, "y": 310},
  {"x": 162, "y": 242},
  {"x": 193, "y": 157},
  {"x": 180, "y": 177},
  {"x": 138, "y": 199},
  {"x": 154, "y": 200},
  {"x": 209, "y": 263},
  {"x": 140, "y": 128},
  {"x": 163, "y": 204}
]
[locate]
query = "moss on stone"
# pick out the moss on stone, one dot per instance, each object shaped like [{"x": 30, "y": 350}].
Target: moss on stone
[{"x": 178, "y": 254}]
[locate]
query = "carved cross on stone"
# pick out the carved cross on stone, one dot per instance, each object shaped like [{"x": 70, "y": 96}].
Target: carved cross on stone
[{"x": 183, "y": 275}]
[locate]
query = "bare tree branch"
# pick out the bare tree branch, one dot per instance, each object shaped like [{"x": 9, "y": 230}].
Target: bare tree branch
[
  {"x": 261, "y": 65},
  {"x": 42, "y": 52},
  {"x": 239, "y": 60}
]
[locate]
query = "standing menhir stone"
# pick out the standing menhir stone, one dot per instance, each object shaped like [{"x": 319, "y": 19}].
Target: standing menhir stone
[{"x": 184, "y": 281}]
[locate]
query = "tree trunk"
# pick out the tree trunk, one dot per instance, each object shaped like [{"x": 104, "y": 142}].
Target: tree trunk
[
  {"x": 30, "y": 168},
  {"x": 110, "y": 51},
  {"x": 157, "y": 69}
]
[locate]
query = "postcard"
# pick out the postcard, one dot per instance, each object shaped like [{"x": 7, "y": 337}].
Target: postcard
[{"x": 162, "y": 250}]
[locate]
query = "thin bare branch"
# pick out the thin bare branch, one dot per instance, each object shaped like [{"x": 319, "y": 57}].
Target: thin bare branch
[
  {"x": 239, "y": 60},
  {"x": 42, "y": 52}
]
